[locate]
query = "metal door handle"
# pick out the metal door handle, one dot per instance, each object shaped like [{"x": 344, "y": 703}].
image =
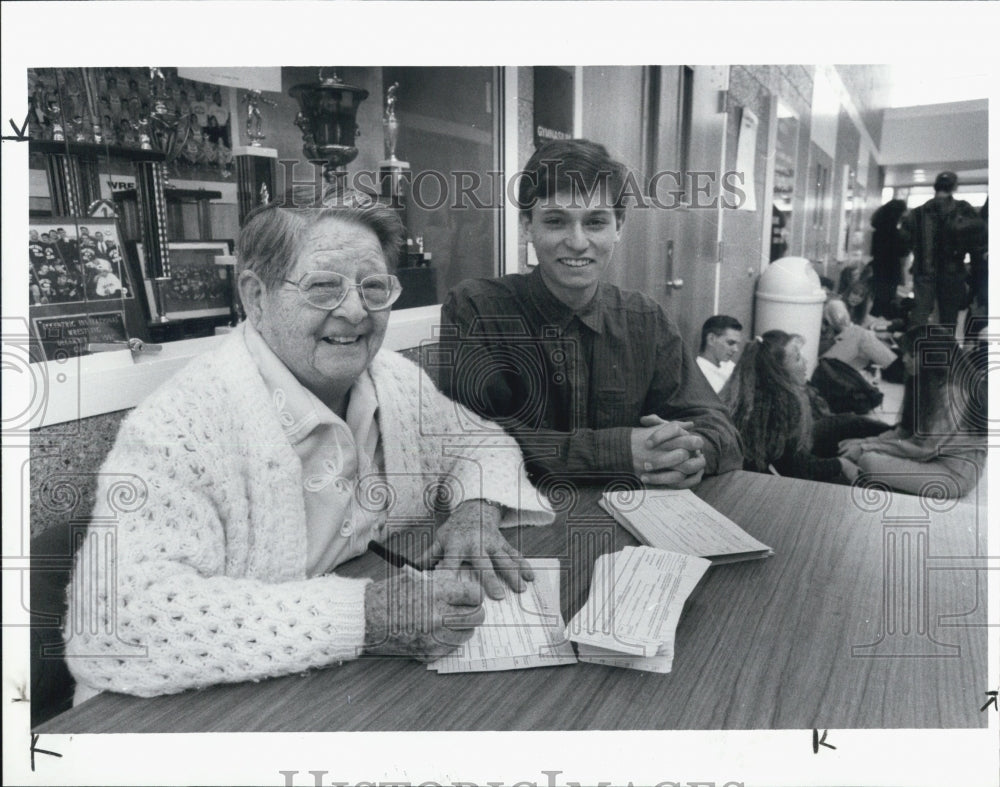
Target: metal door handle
[
  {"x": 672, "y": 283},
  {"x": 135, "y": 345}
]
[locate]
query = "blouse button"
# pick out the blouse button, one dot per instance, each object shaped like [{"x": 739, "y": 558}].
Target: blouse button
[{"x": 347, "y": 529}]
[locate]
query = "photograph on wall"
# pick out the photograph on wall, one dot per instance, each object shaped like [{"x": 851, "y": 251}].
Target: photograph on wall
[
  {"x": 197, "y": 286},
  {"x": 76, "y": 269},
  {"x": 74, "y": 260}
]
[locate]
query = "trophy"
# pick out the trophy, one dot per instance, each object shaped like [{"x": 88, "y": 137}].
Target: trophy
[
  {"x": 390, "y": 125},
  {"x": 328, "y": 122},
  {"x": 393, "y": 173},
  {"x": 54, "y": 115},
  {"x": 161, "y": 128},
  {"x": 253, "y": 100}
]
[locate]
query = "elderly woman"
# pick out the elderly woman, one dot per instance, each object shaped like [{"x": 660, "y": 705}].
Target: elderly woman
[{"x": 269, "y": 461}]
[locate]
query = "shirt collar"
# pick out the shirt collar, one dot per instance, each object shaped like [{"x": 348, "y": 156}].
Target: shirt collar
[
  {"x": 299, "y": 410},
  {"x": 555, "y": 312}
]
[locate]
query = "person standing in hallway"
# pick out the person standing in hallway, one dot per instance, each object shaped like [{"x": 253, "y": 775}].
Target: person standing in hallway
[
  {"x": 721, "y": 337},
  {"x": 941, "y": 232},
  {"x": 888, "y": 251},
  {"x": 593, "y": 381}
]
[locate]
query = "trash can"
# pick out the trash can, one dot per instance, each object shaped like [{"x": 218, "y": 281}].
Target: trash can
[{"x": 790, "y": 298}]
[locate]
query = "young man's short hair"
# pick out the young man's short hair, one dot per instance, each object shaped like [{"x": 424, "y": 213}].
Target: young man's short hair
[
  {"x": 717, "y": 325},
  {"x": 578, "y": 167},
  {"x": 946, "y": 182}
]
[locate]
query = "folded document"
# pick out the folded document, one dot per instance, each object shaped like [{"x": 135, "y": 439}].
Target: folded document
[
  {"x": 635, "y": 603},
  {"x": 679, "y": 521}
]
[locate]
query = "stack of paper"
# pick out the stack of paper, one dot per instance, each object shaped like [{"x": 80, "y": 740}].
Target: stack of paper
[
  {"x": 521, "y": 630},
  {"x": 635, "y": 603},
  {"x": 680, "y": 521}
]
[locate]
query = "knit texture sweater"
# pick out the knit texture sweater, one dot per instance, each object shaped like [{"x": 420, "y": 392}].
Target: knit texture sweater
[{"x": 195, "y": 572}]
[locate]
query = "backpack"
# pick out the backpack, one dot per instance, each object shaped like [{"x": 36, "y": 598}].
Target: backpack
[{"x": 844, "y": 388}]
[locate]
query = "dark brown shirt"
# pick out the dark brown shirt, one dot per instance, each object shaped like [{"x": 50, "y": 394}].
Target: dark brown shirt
[{"x": 571, "y": 386}]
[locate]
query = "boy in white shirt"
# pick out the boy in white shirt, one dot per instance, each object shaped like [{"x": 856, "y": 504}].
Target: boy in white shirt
[{"x": 721, "y": 337}]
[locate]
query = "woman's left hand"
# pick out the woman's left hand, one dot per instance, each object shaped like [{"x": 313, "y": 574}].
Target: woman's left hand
[
  {"x": 471, "y": 535},
  {"x": 851, "y": 449}
]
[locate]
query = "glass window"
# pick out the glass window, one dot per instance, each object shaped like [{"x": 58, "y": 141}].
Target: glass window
[
  {"x": 106, "y": 140},
  {"x": 448, "y": 132}
]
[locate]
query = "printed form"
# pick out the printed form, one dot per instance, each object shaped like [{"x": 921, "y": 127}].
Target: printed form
[
  {"x": 521, "y": 630},
  {"x": 635, "y": 603}
]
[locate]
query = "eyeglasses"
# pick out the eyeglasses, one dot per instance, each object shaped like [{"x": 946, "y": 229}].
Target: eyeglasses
[{"x": 327, "y": 290}]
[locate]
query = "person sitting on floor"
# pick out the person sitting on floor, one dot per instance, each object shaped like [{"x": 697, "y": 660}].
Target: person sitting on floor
[
  {"x": 593, "y": 381},
  {"x": 767, "y": 398},
  {"x": 852, "y": 344},
  {"x": 942, "y": 422},
  {"x": 721, "y": 337},
  {"x": 277, "y": 456}
]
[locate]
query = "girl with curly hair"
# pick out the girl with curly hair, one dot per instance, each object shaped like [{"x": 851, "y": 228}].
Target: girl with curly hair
[{"x": 767, "y": 399}]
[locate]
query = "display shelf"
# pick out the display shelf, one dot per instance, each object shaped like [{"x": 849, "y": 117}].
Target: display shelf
[{"x": 93, "y": 150}]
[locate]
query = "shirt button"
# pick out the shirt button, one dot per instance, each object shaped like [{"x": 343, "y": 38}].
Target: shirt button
[{"x": 347, "y": 529}]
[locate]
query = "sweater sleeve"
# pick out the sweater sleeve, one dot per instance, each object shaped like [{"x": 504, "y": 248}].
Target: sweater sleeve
[
  {"x": 164, "y": 598},
  {"x": 438, "y": 453},
  {"x": 874, "y": 349}
]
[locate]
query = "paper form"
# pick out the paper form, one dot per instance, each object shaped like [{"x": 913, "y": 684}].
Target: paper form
[
  {"x": 662, "y": 662},
  {"x": 521, "y": 630},
  {"x": 635, "y": 603},
  {"x": 680, "y": 521}
]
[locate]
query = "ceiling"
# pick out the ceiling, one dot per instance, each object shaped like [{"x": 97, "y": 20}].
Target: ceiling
[
  {"x": 937, "y": 82},
  {"x": 925, "y": 84}
]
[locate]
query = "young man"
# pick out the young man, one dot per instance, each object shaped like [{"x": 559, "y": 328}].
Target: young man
[
  {"x": 721, "y": 337},
  {"x": 941, "y": 232},
  {"x": 592, "y": 381}
]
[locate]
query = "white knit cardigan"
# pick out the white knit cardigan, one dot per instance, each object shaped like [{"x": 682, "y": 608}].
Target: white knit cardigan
[{"x": 194, "y": 568}]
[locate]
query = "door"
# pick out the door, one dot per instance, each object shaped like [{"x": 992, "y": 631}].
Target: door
[
  {"x": 819, "y": 206},
  {"x": 668, "y": 251},
  {"x": 621, "y": 107},
  {"x": 697, "y": 228}
]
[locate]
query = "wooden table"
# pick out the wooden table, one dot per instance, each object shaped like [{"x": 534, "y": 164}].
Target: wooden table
[{"x": 777, "y": 643}]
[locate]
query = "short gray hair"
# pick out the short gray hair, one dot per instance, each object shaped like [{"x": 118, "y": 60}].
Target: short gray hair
[{"x": 268, "y": 242}]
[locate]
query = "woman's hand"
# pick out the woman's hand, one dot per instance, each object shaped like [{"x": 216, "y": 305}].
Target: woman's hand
[
  {"x": 424, "y": 616},
  {"x": 849, "y": 470},
  {"x": 471, "y": 535},
  {"x": 852, "y": 449}
]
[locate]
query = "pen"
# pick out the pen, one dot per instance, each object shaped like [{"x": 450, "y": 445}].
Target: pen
[{"x": 391, "y": 557}]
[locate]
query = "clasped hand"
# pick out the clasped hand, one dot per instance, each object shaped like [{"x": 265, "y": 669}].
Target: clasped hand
[{"x": 665, "y": 453}]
